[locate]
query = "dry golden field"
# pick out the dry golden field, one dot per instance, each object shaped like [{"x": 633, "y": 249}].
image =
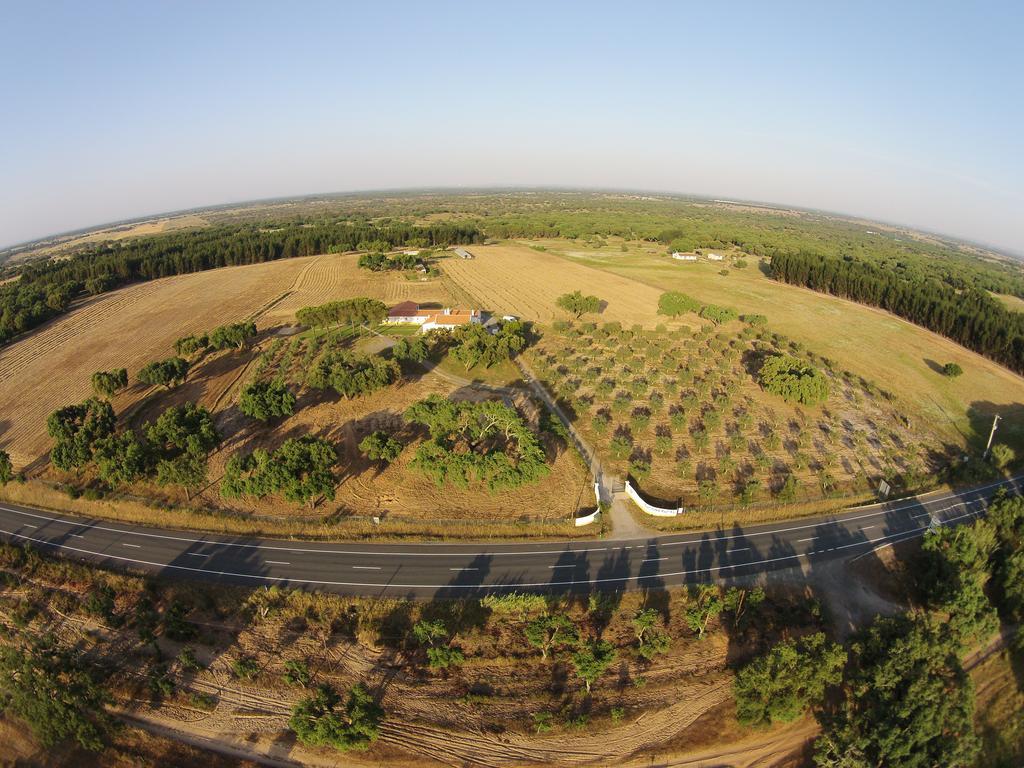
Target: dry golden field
[
  {"x": 515, "y": 279},
  {"x": 127, "y": 328},
  {"x": 132, "y": 326},
  {"x": 337, "y": 276}
]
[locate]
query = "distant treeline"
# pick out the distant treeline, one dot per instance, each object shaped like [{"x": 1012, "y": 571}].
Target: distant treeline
[
  {"x": 45, "y": 289},
  {"x": 960, "y": 311}
]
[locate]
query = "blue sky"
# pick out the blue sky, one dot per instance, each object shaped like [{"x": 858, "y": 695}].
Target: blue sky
[{"x": 907, "y": 112}]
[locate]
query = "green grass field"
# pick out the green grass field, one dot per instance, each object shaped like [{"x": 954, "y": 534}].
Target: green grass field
[{"x": 891, "y": 352}]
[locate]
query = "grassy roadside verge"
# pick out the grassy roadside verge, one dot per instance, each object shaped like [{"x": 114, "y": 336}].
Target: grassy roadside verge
[
  {"x": 301, "y": 527},
  {"x": 696, "y": 520}
]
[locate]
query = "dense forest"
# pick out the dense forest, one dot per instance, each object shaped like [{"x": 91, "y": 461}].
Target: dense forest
[
  {"x": 46, "y": 289},
  {"x": 956, "y": 309}
]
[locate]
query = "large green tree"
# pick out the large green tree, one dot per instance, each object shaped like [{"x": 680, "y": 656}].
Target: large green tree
[
  {"x": 166, "y": 373},
  {"x": 319, "y": 721},
  {"x": 551, "y": 631},
  {"x": 234, "y": 335},
  {"x": 592, "y": 660},
  {"x": 380, "y": 446},
  {"x": 265, "y": 400},
  {"x": 48, "y": 689},
  {"x": 121, "y": 458},
  {"x": 301, "y": 469},
  {"x": 793, "y": 380},
  {"x": 476, "y": 442},
  {"x": 791, "y": 678},
  {"x": 577, "y": 304},
  {"x": 674, "y": 303},
  {"x": 6, "y": 468},
  {"x": 907, "y": 701},
  {"x": 76, "y": 429},
  {"x": 109, "y": 383}
]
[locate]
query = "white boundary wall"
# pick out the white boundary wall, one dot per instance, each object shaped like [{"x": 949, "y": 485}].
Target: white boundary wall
[
  {"x": 650, "y": 509},
  {"x": 588, "y": 519}
]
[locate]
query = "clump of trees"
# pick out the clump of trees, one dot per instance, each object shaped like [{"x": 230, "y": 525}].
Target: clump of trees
[
  {"x": 380, "y": 446},
  {"x": 175, "y": 446},
  {"x": 48, "y": 689},
  {"x": 319, "y": 721},
  {"x": 907, "y": 700},
  {"x": 674, "y": 303},
  {"x": 790, "y": 679},
  {"x": 265, "y": 400},
  {"x": 577, "y": 304},
  {"x": 414, "y": 349},
  {"x": 76, "y": 430},
  {"x": 166, "y": 373},
  {"x": 358, "y": 311},
  {"x": 109, "y": 383},
  {"x": 717, "y": 314},
  {"x": 474, "y": 345},
  {"x": 793, "y": 380},
  {"x": 301, "y": 469},
  {"x": 180, "y": 441},
  {"x": 484, "y": 442},
  {"x": 382, "y": 262},
  {"x": 952, "y": 370},
  {"x": 192, "y": 344},
  {"x": 352, "y": 375},
  {"x": 235, "y": 335}
]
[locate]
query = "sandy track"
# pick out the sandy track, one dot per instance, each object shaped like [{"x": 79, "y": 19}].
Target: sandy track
[{"x": 597, "y": 748}]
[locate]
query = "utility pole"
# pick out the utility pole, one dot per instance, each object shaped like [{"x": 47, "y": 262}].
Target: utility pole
[{"x": 988, "y": 448}]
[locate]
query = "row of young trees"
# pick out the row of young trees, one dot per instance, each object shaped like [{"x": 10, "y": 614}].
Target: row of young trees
[
  {"x": 966, "y": 314},
  {"x": 45, "y": 289}
]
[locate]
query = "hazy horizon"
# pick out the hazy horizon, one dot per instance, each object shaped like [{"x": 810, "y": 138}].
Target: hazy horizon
[
  {"x": 768, "y": 204},
  {"x": 907, "y": 115}
]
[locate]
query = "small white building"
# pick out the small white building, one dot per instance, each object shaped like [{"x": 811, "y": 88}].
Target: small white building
[
  {"x": 462, "y": 253},
  {"x": 716, "y": 257},
  {"x": 684, "y": 256}
]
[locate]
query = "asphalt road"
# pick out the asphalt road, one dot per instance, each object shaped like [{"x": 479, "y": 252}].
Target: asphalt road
[{"x": 459, "y": 570}]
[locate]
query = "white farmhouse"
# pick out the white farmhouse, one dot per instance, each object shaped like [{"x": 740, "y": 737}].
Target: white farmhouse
[
  {"x": 715, "y": 257},
  {"x": 409, "y": 312},
  {"x": 678, "y": 256}
]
